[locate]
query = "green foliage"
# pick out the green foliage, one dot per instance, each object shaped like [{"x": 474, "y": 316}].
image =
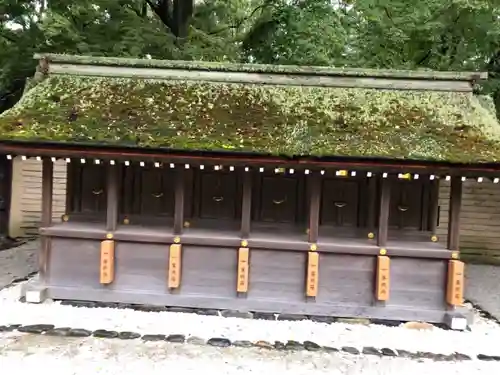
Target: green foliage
[{"x": 403, "y": 34}]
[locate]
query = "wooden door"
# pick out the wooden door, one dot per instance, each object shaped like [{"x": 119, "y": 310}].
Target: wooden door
[
  {"x": 278, "y": 201},
  {"x": 93, "y": 188},
  {"x": 406, "y": 205},
  {"x": 339, "y": 204},
  {"x": 156, "y": 191},
  {"x": 5, "y": 192},
  {"x": 218, "y": 192}
]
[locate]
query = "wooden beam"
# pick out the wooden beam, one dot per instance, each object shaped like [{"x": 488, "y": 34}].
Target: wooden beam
[
  {"x": 455, "y": 285},
  {"x": 383, "y": 221},
  {"x": 107, "y": 271},
  {"x": 314, "y": 207},
  {"x": 246, "y": 205},
  {"x": 454, "y": 213},
  {"x": 243, "y": 270},
  {"x": 175, "y": 266},
  {"x": 383, "y": 278},
  {"x": 312, "y": 274},
  {"x": 434, "y": 206},
  {"x": 112, "y": 198},
  {"x": 371, "y": 204},
  {"x": 179, "y": 201},
  {"x": 46, "y": 220}
]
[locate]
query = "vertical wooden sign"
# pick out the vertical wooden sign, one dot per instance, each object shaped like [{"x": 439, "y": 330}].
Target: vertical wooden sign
[
  {"x": 312, "y": 274},
  {"x": 107, "y": 271},
  {"x": 455, "y": 288},
  {"x": 243, "y": 268},
  {"x": 174, "y": 266},
  {"x": 383, "y": 277}
]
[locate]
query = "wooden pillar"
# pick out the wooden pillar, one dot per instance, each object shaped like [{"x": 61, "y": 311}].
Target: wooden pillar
[
  {"x": 47, "y": 187},
  {"x": 179, "y": 201},
  {"x": 383, "y": 221},
  {"x": 372, "y": 204},
  {"x": 112, "y": 198},
  {"x": 246, "y": 206},
  {"x": 314, "y": 208},
  {"x": 454, "y": 213},
  {"x": 434, "y": 206}
]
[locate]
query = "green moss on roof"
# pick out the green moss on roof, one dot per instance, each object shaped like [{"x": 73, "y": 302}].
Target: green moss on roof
[{"x": 278, "y": 120}]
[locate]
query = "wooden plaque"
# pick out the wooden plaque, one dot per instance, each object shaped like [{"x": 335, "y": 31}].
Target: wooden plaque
[
  {"x": 383, "y": 277},
  {"x": 174, "y": 266},
  {"x": 107, "y": 272},
  {"x": 243, "y": 267},
  {"x": 312, "y": 274},
  {"x": 455, "y": 289}
]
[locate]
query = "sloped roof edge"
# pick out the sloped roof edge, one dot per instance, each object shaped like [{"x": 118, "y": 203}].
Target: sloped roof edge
[{"x": 261, "y": 74}]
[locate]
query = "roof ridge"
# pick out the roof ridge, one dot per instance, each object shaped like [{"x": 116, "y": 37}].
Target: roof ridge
[{"x": 212, "y": 66}]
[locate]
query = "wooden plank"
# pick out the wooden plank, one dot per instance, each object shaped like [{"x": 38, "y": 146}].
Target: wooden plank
[
  {"x": 246, "y": 206},
  {"x": 179, "y": 201},
  {"x": 455, "y": 287},
  {"x": 434, "y": 206},
  {"x": 174, "y": 266},
  {"x": 314, "y": 208},
  {"x": 383, "y": 278},
  {"x": 312, "y": 274},
  {"x": 243, "y": 270},
  {"x": 107, "y": 271},
  {"x": 112, "y": 198},
  {"x": 383, "y": 221},
  {"x": 268, "y": 78},
  {"x": 453, "y": 242},
  {"x": 46, "y": 220}
]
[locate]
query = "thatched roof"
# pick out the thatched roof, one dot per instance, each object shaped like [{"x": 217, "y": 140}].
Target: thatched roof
[{"x": 291, "y": 111}]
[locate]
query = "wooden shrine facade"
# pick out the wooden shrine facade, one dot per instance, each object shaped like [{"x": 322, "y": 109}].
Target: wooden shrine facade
[{"x": 333, "y": 239}]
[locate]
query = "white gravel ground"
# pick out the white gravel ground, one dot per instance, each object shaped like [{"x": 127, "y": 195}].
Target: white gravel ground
[
  {"x": 34, "y": 353},
  {"x": 482, "y": 339}
]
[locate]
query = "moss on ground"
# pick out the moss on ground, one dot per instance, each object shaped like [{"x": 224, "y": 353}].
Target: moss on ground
[{"x": 278, "y": 120}]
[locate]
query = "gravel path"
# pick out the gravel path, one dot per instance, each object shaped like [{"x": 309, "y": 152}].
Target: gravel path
[
  {"x": 483, "y": 287},
  {"x": 29, "y": 353},
  {"x": 17, "y": 262}
]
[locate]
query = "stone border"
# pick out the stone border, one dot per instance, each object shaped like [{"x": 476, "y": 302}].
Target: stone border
[{"x": 51, "y": 330}]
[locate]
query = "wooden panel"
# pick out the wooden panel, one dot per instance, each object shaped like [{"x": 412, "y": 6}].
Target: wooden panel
[
  {"x": 455, "y": 285},
  {"x": 346, "y": 280},
  {"x": 156, "y": 191},
  {"x": 277, "y": 276},
  {"x": 92, "y": 187},
  {"x": 406, "y": 204},
  {"x": 312, "y": 274},
  {"x": 340, "y": 202},
  {"x": 218, "y": 195},
  {"x": 107, "y": 273},
  {"x": 243, "y": 267},
  {"x": 278, "y": 201},
  {"x": 211, "y": 271},
  {"x": 418, "y": 283},
  {"x": 174, "y": 266},
  {"x": 383, "y": 278}
]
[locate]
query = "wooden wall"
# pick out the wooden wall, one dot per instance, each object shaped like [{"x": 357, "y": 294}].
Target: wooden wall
[
  {"x": 25, "y": 211},
  {"x": 479, "y": 220},
  {"x": 480, "y": 217}
]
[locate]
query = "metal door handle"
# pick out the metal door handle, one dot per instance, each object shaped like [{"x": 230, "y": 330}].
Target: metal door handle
[
  {"x": 279, "y": 201},
  {"x": 218, "y": 199},
  {"x": 402, "y": 208},
  {"x": 340, "y": 204},
  {"x": 97, "y": 192},
  {"x": 158, "y": 195}
]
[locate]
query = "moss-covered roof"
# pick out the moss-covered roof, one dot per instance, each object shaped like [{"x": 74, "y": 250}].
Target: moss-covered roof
[{"x": 265, "y": 119}]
